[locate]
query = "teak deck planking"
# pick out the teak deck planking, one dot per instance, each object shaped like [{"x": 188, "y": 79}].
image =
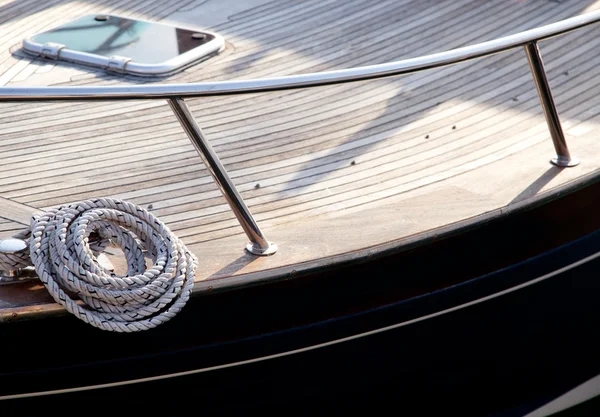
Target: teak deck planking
[{"x": 326, "y": 171}]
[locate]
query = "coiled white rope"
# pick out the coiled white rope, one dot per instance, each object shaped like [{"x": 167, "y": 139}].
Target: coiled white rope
[{"x": 60, "y": 251}]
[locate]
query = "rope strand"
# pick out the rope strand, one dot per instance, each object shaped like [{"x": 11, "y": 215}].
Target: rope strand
[{"x": 65, "y": 262}]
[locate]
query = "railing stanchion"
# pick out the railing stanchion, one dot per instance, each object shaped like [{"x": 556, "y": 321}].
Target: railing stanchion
[
  {"x": 258, "y": 243},
  {"x": 563, "y": 156}
]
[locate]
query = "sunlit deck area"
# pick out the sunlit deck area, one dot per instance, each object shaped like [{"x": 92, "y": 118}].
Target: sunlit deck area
[{"x": 327, "y": 171}]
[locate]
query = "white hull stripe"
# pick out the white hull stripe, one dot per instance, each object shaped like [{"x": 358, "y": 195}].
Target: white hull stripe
[
  {"x": 588, "y": 390},
  {"x": 309, "y": 348}
]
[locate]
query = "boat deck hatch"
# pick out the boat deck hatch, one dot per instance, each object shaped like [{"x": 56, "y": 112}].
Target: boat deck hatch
[{"x": 129, "y": 46}]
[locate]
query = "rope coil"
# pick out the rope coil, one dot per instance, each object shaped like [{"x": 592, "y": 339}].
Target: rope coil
[{"x": 65, "y": 262}]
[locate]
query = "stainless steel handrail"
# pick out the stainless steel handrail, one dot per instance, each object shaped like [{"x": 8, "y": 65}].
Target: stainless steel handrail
[
  {"x": 563, "y": 156},
  {"x": 175, "y": 93},
  {"x": 406, "y": 66},
  {"x": 258, "y": 245}
]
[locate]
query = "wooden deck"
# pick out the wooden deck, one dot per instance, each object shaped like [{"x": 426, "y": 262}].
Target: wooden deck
[{"x": 326, "y": 171}]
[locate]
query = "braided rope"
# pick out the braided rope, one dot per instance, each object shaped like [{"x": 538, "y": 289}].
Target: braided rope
[
  {"x": 64, "y": 260},
  {"x": 14, "y": 261}
]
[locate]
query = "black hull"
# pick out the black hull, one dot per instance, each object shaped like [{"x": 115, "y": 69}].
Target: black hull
[{"x": 419, "y": 327}]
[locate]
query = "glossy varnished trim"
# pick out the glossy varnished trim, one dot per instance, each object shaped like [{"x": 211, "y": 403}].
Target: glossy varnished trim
[
  {"x": 365, "y": 256},
  {"x": 372, "y": 254}
]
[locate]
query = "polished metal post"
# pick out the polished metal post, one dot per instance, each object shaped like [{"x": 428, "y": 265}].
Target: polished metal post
[
  {"x": 563, "y": 156},
  {"x": 258, "y": 244},
  {"x": 12, "y": 250}
]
